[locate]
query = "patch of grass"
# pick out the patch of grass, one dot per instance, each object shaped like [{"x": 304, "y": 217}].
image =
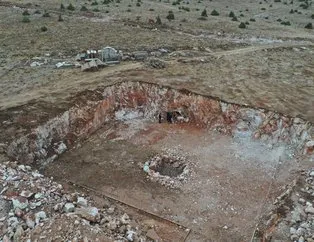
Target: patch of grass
[
  {"x": 25, "y": 13},
  {"x": 202, "y": 18},
  {"x": 26, "y": 19},
  {"x": 46, "y": 15},
  {"x": 287, "y": 23}
]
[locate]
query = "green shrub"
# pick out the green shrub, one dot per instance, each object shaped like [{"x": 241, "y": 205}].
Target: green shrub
[
  {"x": 277, "y": 1},
  {"x": 263, "y": 9},
  {"x": 151, "y": 9},
  {"x": 138, "y": 4},
  {"x": 231, "y": 14},
  {"x": 26, "y": 19},
  {"x": 204, "y": 13},
  {"x": 170, "y": 16},
  {"x": 128, "y": 10},
  {"x": 241, "y": 15},
  {"x": 83, "y": 8},
  {"x": 234, "y": 18},
  {"x": 279, "y": 20},
  {"x": 247, "y": 23},
  {"x": 242, "y": 25},
  {"x": 312, "y": 16},
  {"x": 214, "y": 13},
  {"x": 25, "y": 13},
  {"x": 106, "y": 2},
  {"x": 37, "y": 12},
  {"x": 71, "y": 7},
  {"x": 291, "y": 11},
  {"x": 309, "y": 26},
  {"x": 62, "y": 6},
  {"x": 94, "y": 3},
  {"x": 96, "y": 10},
  {"x": 252, "y": 19},
  {"x": 43, "y": 29}
]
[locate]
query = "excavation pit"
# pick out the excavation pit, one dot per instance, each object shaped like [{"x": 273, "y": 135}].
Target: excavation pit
[
  {"x": 237, "y": 152},
  {"x": 168, "y": 167}
]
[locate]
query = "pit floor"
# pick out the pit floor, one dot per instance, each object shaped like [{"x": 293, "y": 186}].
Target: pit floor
[{"x": 224, "y": 193}]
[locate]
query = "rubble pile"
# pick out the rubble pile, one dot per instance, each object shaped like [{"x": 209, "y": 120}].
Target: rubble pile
[
  {"x": 35, "y": 208},
  {"x": 293, "y": 213},
  {"x": 301, "y": 218},
  {"x": 169, "y": 169}
]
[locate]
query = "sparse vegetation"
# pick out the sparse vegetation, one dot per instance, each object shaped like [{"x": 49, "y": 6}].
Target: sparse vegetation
[
  {"x": 71, "y": 7},
  {"x": 287, "y": 23},
  {"x": 170, "y": 15},
  {"x": 242, "y": 25},
  {"x": 25, "y": 13},
  {"x": 43, "y": 29},
  {"x": 26, "y": 19},
  {"x": 60, "y": 19},
  {"x": 204, "y": 13},
  {"x": 214, "y": 13},
  {"x": 158, "y": 20},
  {"x": 46, "y": 15},
  {"x": 231, "y": 14}
]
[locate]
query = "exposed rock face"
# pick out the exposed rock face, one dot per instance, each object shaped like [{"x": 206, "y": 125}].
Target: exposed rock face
[{"x": 162, "y": 104}]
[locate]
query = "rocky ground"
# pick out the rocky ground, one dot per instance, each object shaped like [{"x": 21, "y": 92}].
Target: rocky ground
[{"x": 35, "y": 208}]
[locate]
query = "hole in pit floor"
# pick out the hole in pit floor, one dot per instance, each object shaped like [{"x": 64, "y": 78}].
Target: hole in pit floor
[{"x": 227, "y": 184}]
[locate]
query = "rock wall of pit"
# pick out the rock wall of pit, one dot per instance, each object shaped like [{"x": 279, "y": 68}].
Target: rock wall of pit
[{"x": 127, "y": 100}]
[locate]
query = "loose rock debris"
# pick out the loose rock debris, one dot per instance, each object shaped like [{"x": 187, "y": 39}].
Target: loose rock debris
[
  {"x": 34, "y": 207},
  {"x": 169, "y": 169}
]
